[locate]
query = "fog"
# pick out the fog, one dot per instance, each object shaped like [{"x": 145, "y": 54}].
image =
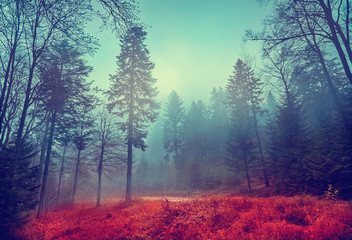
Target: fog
[
  {"x": 193, "y": 46},
  {"x": 106, "y": 100}
]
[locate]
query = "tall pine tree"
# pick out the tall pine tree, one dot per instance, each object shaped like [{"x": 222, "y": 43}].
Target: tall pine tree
[
  {"x": 173, "y": 134},
  {"x": 240, "y": 142},
  {"x": 173, "y": 123},
  {"x": 254, "y": 100},
  {"x": 218, "y": 124},
  {"x": 132, "y": 94},
  {"x": 196, "y": 149}
]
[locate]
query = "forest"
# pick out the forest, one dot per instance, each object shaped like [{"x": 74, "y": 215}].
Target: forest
[{"x": 267, "y": 156}]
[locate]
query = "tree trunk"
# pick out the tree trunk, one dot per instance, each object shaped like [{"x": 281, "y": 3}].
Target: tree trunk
[
  {"x": 42, "y": 151},
  {"x": 8, "y": 75},
  {"x": 176, "y": 165},
  {"x": 100, "y": 173},
  {"x": 8, "y": 132},
  {"x": 3, "y": 92},
  {"x": 25, "y": 107},
  {"x": 247, "y": 172},
  {"x": 4, "y": 87},
  {"x": 10, "y": 63},
  {"x": 129, "y": 147},
  {"x": 4, "y": 132},
  {"x": 266, "y": 179},
  {"x": 129, "y": 167},
  {"x": 36, "y": 52},
  {"x": 315, "y": 47},
  {"x": 60, "y": 176},
  {"x": 47, "y": 163},
  {"x": 333, "y": 26},
  {"x": 332, "y": 88},
  {"x": 8, "y": 92},
  {"x": 74, "y": 189},
  {"x": 176, "y": 148}
]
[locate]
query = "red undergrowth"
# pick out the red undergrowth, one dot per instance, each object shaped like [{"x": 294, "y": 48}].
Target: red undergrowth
[{"x": 207, "y": 218}]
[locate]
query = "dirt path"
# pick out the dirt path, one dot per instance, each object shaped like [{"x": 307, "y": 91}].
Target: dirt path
[
  {"x": 147, "y": 198},
  {"x": 171, "y": 199}
]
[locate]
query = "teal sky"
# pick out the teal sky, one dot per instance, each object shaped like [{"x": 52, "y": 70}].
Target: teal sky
[{"x": 193, "y": 43}]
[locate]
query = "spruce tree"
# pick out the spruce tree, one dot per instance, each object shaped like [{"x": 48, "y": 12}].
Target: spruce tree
[
  {"x": 218, "y": 124},
  {"x": 292, "y": 147},
  {"x": 196, "y": 143},
  {"x": 18, "y": 185},
  {"x": 240, "y": 140},
  {"x": 240, "y": 145},
  {"x": 132, "y": 94},
  {"x": 271, "y": 107},
  {"x": 173, "y": 122},
  {"x": 173, "y": 134},
  {"x": 255, "y": 100}
]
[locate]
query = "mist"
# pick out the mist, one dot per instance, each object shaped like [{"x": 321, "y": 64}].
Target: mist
[{"x": 118, "y": 108}]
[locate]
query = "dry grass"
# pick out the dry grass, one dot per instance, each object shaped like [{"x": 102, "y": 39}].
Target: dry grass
[{"x": 214, "y": 217}]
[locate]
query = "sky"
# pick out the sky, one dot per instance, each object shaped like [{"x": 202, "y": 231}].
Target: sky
[{"x": 193, "y": 43}]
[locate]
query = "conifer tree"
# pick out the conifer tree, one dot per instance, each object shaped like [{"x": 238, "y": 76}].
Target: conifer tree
[
  {"x": 218, "y": 123},
  {"x": 173, "y": 133},
  {"x": 143, "y": 173},
  {"x": 254, "y": 100},
  {"x": 18, "y": 185},
  {"x": 240, "y": 142},
  {"x": 132, "y": 94},
  {"x": 196, "y": 151},
  {"x": 272, "y": 141},
  {"x": 173, "y": 123},
  {"x": 292, "y": 146},
  {"x": 271, "y": 106}
]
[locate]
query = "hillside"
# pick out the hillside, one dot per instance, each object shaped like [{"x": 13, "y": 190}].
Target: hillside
[{"x": 216, "y": 217}]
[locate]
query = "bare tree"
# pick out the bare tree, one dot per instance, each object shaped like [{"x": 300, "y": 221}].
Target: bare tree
[
  {"x": 303, "y": 24},
  {"x": 310, "y": 20},
  {"x": 109, "y": 149},
  {"x": 83, "y": 134}
]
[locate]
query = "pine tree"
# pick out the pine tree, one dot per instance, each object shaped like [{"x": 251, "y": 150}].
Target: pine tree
[
  {"x": 271, "y": 107},
  {"x": 196, "y": 142},
  {"x": 173, "y": 123},
  {"x": 240, "y": 144},
  {"x": 272, "y": 131},
  {"x": 293, "y": 146},
  {"x": 173, "y": 134},
  {"x": 18, "y": 185},
  {"x": 132, "y": 93},
  {"x": 143, "y": 173},
  {"x": 218, "y": 124},
  {"x": 254, "y": 100}
]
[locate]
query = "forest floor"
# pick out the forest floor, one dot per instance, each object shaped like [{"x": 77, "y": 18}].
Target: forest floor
[{"x": 212, "y": 217}]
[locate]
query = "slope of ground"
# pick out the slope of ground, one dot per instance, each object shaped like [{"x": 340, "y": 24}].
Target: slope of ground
[{"x": 204, "y": 218}]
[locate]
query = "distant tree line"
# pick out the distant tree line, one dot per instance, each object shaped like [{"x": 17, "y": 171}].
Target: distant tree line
[
  {"x": 282, "y": 130},
  {"x": 287, "y": 123}
]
